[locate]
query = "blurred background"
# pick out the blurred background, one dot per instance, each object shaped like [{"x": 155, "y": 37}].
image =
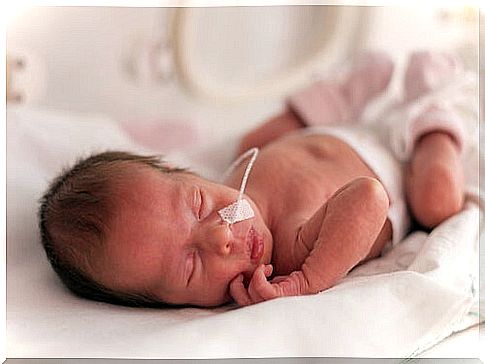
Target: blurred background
[{"x": 215, "y": 68}]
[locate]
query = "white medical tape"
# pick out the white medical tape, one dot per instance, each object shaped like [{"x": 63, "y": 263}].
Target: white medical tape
[{"x": 240, "y": 210}]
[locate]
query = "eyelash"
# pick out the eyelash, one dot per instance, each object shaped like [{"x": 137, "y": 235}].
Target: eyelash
[
  {"x": 192, "y": 269},
  {"x": 201, "y": 202}
]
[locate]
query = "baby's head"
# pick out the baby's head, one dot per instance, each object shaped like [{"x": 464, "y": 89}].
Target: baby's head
[{"x": 127, "y": 229}]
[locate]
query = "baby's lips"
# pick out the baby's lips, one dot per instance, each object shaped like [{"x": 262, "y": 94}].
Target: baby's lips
[{"x": 257, "y": 246}]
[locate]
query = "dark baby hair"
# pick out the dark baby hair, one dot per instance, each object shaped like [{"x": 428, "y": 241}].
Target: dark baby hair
[{"x": 74, "y": 216}]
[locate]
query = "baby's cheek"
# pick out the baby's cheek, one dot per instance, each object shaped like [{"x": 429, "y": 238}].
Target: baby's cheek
[
  {"x": 227, "y": 297},
  {"x": 220, "y": 294}
]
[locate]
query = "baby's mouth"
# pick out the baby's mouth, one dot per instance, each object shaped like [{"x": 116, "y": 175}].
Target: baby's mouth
[
  {"x": 255, "y": 251},
  {"x": 256, "y": 245}
]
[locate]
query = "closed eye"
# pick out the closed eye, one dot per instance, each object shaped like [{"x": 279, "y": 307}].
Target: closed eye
[
  {"x": 197, "y": 203},
  {"x": 201, "y": 204},
  {"x": 190, "y": 267}
]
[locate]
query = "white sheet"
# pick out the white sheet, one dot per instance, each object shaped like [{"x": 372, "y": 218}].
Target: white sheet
[{"x": 395, "y": 306}]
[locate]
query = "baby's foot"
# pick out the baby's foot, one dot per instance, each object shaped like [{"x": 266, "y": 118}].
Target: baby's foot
[
  {"x": 327, "y": 102},
  {"x": 428, "y": 71},
  {"x": 369, "y": 77},
  {"x": 435, "y": 180}
]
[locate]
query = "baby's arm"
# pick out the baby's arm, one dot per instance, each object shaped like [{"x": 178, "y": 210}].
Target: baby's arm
[
  {"x": 272, "y": 129},
  {"x": 351, "y": 223},
  {"x": 344, "y": 230}
]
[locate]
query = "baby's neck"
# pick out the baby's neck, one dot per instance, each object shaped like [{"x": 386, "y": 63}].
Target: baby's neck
[
  {"x": 262, "y": 204},
  {"x": 281, "y": 224}
]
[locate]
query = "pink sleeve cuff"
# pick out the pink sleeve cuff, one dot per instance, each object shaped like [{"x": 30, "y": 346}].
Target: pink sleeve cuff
[{"x": 437, "y": 119}]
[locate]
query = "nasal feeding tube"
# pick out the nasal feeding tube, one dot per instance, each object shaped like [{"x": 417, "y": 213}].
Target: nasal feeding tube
[{"x": 239, "y": 210}]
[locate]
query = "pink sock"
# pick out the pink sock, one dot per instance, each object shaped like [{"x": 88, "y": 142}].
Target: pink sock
[
  {"x": 329, "y": 103},
  {"x": 427, "y": 71},
  {"x": 370, "y": 76},
  {"x": 321, "y": 103}
]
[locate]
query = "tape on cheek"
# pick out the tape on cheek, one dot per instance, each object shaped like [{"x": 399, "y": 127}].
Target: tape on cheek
[{"x": 239, "y": 210}]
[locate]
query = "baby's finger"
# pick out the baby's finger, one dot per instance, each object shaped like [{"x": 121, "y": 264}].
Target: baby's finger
[
  {"x": 238, "y": 292},
  {"x": 268, "y": 270},
  {"x": 256, "y": 279},
  {"x": 259, "y": 287},
  {"x": 279, "y": 279}
]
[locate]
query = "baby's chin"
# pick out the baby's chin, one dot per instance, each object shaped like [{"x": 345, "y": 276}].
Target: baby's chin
[
  {"x": 248, "y": 274},
  {"x": 247, "y": 278}
]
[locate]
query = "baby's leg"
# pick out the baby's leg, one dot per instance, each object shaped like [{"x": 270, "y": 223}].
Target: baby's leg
[
  {"x": 329, "y": 102},
  {"x": 434, "y": 179}
]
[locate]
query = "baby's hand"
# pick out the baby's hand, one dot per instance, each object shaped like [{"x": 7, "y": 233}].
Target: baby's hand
[{"x": 260, "y": 289}]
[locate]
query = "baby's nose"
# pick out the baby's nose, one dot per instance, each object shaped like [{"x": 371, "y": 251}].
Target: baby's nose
[
  {"x": 223, "y": 239},
  {"x": 224, "y": 248},
  {"x": 218, "y": 239}
]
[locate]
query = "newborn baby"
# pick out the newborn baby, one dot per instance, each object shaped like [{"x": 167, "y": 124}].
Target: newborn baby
[{"x": 131, "y": 230}]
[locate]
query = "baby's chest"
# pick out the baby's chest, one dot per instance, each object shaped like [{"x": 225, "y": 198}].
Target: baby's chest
[
  {"x": 302, "y": 174},
  {"x": 300, "y": 188}
]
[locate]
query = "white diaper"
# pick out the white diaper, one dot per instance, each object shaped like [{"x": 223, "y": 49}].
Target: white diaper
[{"x": 382, "y": 162}]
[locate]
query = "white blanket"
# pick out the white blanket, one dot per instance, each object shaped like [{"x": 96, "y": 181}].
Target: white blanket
[{"x": 395, "y": 306}]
